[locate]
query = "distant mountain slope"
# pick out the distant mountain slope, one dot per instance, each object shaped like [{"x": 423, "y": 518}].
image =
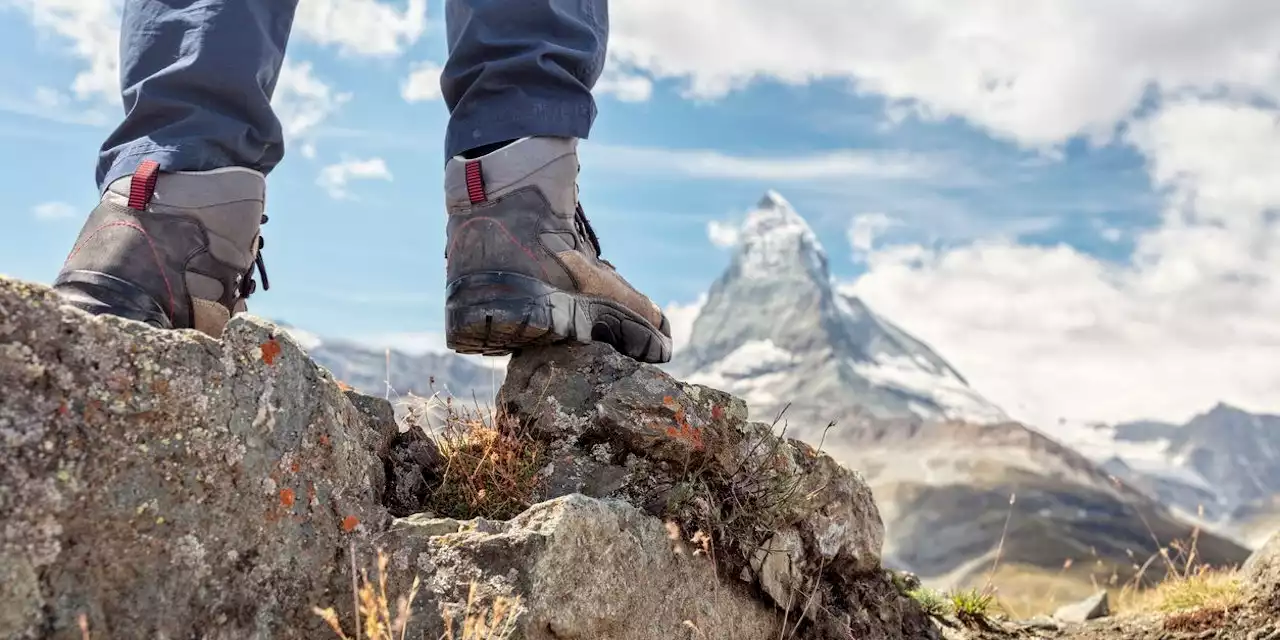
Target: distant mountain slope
[
  {"x": 945, "y": 493},
  {"x": 369, "y": 370},
  {"x": 775, "y": 331},
  {"x": 1224, "y": 463}
]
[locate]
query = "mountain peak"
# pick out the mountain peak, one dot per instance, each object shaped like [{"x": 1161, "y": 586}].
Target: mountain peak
[
  {"x": 775, "y": 237},
  {"x": 773, "y": 200},
  {"x": 774, "y": 329}
]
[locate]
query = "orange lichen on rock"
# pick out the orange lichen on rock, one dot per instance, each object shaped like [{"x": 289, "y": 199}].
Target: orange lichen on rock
[
  {"x": 286, "y": 498},
  {"x": 270, "y": 351},
  {"x": 349, "y": 523}
]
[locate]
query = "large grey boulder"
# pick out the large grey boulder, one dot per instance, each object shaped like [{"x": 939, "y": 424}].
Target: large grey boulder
[{"x": 161, "y": 483}]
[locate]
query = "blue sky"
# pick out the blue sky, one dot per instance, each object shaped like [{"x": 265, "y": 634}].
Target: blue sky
[{"x": 1030, "y": 151}]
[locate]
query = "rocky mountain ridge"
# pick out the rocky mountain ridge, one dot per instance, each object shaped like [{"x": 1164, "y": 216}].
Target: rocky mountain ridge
[{"x": 1221, "y": 468}]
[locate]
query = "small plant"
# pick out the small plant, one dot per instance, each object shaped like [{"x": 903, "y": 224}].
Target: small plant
[
  {"x": 1204, "y": 589},
  {"x": 489, "y": 467},
  {"x": 494, "y": 622},
  {"x": 971, "y": 605},
  {"x": 931, "y": 601},
  {"x": 374, "y": 608}
]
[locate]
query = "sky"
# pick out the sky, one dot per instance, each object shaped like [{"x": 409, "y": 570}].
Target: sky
[{"x": 1072, "y": 201}]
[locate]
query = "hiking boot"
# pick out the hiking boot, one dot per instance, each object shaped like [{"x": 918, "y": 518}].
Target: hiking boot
[
  {"x": 173, "y": 250},
  {"x": 524, "y": 266}
]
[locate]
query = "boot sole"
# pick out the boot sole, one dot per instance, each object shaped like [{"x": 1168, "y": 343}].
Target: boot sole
[
  {"x": 98, "y": 293},
  {"x": 497, "y": 314}
]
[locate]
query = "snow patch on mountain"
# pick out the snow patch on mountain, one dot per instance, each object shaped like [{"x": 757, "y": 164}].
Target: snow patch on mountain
[
  {"x": 772, "y": 235},
  {"x": 912, "y": 375}
]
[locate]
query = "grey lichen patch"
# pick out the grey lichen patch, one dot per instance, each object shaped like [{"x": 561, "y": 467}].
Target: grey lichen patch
[
  {"x": 188, "y": 552},
  {"x": 21, "y": 601}
]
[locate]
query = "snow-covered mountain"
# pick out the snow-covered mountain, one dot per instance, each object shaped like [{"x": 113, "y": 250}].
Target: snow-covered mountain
[
  {"x": 1221, "y": 467},
  {"x": 774, "y": 330}
]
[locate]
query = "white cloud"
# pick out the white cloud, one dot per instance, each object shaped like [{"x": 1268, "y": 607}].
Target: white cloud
[
  {"x": 55, "y": 211},
  {"x": 55, "y": 106},
  {"x": 1050, "y": 332},
  {"x": 706, "y": 163},
  {"x": 625, "y": 85},
  {"x": 302, "y": 101},
  {"x": 362, "y": 27},
  {"x": 1111, "y": 234},
  {"x": 91, "y": 29},
  {"x": 681, "y": 317},
  {"x": 722, "y": 234},
  {"x": 1038, "y": 71},
  {"x": 423, "y": 83},
  {"x": 864, "y": 230},
  {"x": 335, "y": 177}
]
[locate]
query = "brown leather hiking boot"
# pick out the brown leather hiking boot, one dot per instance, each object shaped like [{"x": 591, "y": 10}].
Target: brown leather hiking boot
[
  {"x": 524, "y": 265},
  {"x": 173, "y": 250}
]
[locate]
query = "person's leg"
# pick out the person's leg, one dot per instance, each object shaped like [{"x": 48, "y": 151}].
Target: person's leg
[
  {"x": 197, "y": 79},
  {"x": 521, "y": 68},
  {"x": 523, "y": 263},
  {"x": 182, "y": 178}
]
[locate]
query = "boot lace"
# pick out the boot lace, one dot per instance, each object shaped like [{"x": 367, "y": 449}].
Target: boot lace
[
  {"x": 584, "y": 225},
  {"x": 247, "y": 284}
]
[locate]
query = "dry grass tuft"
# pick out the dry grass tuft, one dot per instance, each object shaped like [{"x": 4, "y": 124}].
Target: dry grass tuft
[
  {"x": 374, "y": 608},
  {"x": 496, "y": 621},
  {"x": 489, "y": 465},
  {"x": 493, "y": 622},
  {"x": 1205, "y": 589}
]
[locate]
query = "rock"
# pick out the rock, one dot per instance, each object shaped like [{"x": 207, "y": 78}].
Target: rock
[
  {"x": 164, "y": 484},
  {"x": 582, "y": 397},
  {"x": 583, "y": 568},
  {"x": 1091, "y": 608},
  {"x": 790, "y": 519},
  {"x": 1042, "y": 623},
  {"x": 1262, "y": 575}
]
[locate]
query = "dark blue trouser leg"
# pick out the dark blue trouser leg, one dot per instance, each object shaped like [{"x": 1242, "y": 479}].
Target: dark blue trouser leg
[
  {"x": 521, "y": 68},
  {"x": 197, "y": 78}
]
